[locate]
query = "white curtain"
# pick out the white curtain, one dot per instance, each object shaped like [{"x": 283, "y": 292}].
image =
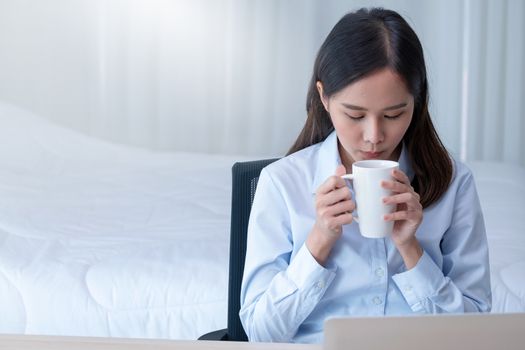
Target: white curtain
[
  {"x": 494, "y": 81},
  {"x": 230, "y": 76}
]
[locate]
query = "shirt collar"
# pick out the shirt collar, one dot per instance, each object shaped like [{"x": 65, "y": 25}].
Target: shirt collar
[{"x": 329, "y": 159}]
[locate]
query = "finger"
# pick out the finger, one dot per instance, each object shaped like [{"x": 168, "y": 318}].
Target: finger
[
  {"x": 335, "y": 196},
  {"x": 332, "y": 183},
  {"x": 343, "y": 219},
  {"x": 340, "y": 170},
  {"x": 398, "y": 198},
  {"x": 402, "y": 215},
  {"x": 336, "y": 215},
  {"x": 397, "y": 187},
  {"x": 341, "y": 208},
  {"x": 411, "y": 201},
  {"x": 400, "y": 176}
]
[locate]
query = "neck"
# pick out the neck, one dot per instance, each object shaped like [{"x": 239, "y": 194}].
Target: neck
[
  {"x": 346, "y": 159},
  {"x": 397, "y": 153}
]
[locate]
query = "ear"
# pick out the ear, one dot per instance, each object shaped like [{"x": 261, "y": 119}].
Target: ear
[{"x": 320, "y": 89}]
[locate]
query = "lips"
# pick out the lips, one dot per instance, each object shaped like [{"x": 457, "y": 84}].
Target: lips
[{"x": 372, "y": 155}]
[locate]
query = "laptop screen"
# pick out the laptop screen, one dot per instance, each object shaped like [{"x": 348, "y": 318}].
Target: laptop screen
[{"x": 429, "y": 332}]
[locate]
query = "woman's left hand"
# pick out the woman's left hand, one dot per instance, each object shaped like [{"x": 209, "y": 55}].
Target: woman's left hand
[{"x": 409, "y": 212}]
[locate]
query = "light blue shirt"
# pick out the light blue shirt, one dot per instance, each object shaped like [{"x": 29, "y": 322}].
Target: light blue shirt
[{"x": 286, "y": 295}]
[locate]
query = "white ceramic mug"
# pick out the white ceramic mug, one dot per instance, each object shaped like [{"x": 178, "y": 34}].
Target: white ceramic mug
[{"x": 367, "y": 176}]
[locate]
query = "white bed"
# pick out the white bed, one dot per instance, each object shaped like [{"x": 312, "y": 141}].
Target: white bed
[
  {"x": 501, "y": 189},
  {"x": 98, "y": 239}
]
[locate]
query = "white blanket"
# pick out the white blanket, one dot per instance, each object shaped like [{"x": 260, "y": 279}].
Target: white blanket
[
  {"x": 98, "y": 239},
  {"x": 104, "y": 240},
  {"x": 501, "y": 189}
]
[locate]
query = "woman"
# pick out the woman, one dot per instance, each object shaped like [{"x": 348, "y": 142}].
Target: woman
[{"x": 306, "y": 260}]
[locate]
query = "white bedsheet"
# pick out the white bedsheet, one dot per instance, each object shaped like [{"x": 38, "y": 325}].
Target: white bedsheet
[
  {"x": 98, "y": 239},
  {"x": 501, "y": 189}
]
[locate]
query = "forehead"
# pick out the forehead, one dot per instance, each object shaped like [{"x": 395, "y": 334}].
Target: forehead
[{"x": 383, "y": 87}]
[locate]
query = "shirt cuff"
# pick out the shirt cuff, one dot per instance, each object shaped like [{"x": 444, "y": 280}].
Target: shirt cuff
[
  {"x": 420, "y": 282},
  {"x": 306, "y": 272}
]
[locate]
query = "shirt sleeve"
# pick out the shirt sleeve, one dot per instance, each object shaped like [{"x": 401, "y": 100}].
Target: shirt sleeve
[
  {"x": 463, "y": 282},
  {"x": 278, "y": 292}
]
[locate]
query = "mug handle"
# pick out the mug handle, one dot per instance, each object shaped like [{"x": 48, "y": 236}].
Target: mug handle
[{"x": 351, "y": 177}]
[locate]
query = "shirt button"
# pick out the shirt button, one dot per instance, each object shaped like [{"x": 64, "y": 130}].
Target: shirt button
[
  {"x": 377, "y": 300},
  {"x": 380, "y": 272},
  {"x": 320, "y": 285}
]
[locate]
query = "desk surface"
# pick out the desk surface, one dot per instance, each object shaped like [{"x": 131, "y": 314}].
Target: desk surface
[{"x": 32, "y": 342}]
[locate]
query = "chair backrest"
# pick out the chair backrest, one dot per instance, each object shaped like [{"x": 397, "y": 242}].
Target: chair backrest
[{"x": 245, "y": 176}]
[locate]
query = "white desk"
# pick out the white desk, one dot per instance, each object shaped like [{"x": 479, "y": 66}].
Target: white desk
[{"x": 32, "y": 342}]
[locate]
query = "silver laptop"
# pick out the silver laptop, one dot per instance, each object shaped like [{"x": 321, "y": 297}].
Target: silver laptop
[{"x": 433, "y": 332}]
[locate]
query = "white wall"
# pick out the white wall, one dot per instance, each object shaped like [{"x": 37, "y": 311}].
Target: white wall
[{"x": 230, "y": 76}]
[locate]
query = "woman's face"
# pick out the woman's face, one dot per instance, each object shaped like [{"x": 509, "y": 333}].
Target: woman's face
[{"x": 370, "y": 116}]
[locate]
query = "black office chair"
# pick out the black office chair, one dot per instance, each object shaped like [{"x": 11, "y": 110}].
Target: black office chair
[{"x": 245, "y": 176}]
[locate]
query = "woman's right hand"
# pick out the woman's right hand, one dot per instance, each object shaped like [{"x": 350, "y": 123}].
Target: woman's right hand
[{"x": 334, "y": 207}]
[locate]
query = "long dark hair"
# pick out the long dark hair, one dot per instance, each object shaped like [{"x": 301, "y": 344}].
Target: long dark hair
[{"x": 361, "y": 43}]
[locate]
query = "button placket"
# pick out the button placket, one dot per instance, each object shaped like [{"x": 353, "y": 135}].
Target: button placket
[
  {"x": 377, "y": 301},
  {"x": 380, "y": 272},
  {"x": 378, "y": 276}
]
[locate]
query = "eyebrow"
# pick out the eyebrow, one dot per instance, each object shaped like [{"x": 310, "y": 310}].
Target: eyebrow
[{"x": 358, "y": 108}]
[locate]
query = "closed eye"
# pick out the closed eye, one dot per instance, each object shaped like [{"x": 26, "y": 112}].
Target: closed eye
[
  {"x": 355, "y": 117},
  {"x": 358, "y": 118},
  {"x": 393, "y": 116}
]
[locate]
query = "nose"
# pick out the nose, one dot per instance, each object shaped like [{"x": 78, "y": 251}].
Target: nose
[{"x": 373, "y": 132}]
